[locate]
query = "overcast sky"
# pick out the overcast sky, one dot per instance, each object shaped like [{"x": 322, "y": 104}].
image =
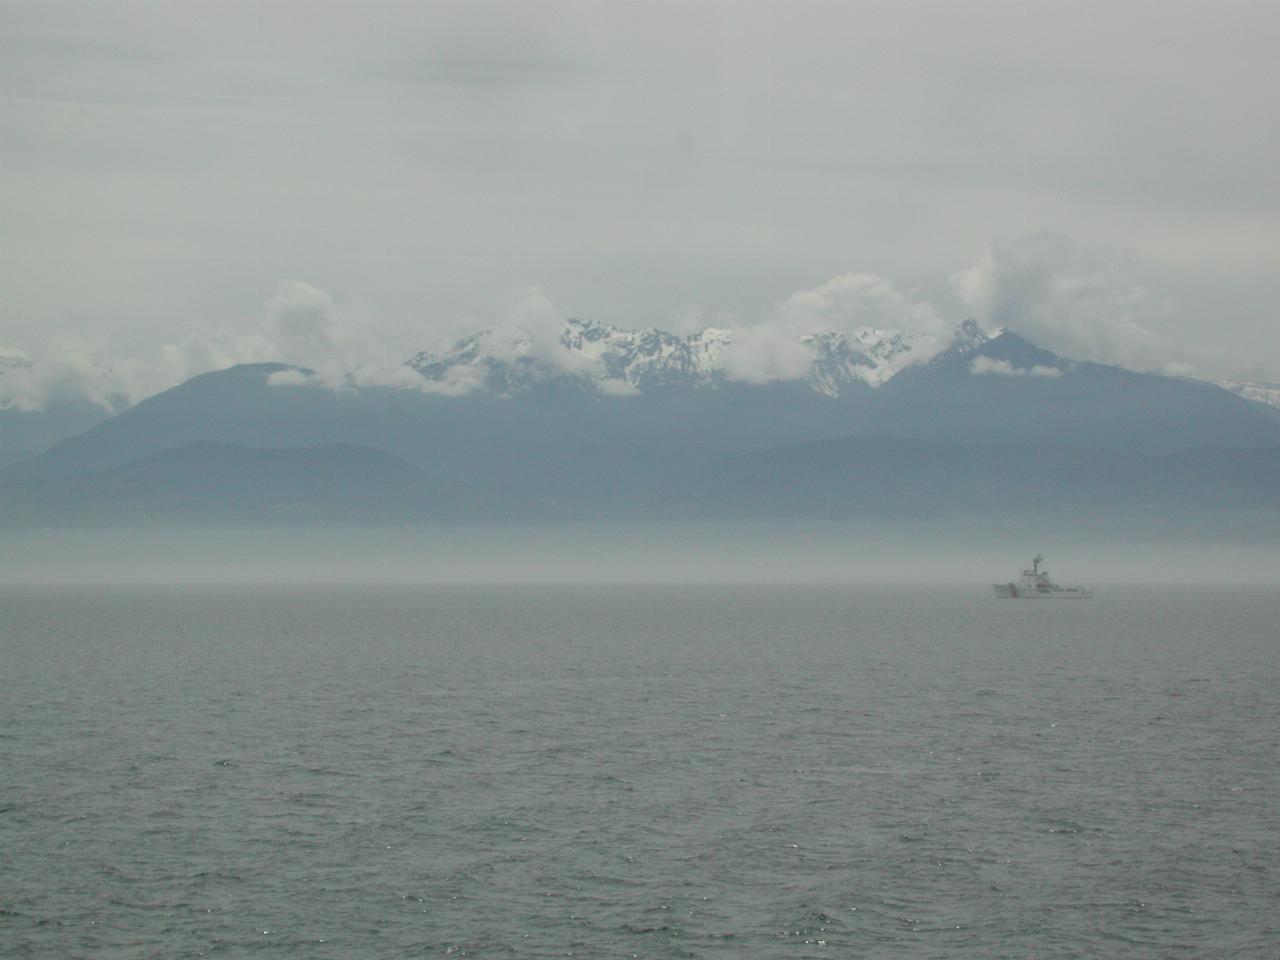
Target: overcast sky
[{"x": 1104, "y": 177}]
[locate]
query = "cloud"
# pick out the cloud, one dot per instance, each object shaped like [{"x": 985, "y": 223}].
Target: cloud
[
  {"x": 1079, "y": 300},
  {"x": 74, "y": 371},
  {"x": 482, "y": 145},
  {"x": 1177, "y": 368},
  {"x": 853, "y": 301},
  {"x": 764, "y": 354},
  {"x": 458, "y": 381},
  {"x": 1003, "y": 368},
  {"x": 292, "y": 377},
  {"x": 347, "y": 349},
  {"x": 1083, "y": 301},
  {"x": 530, "y": 328},
  {"x": 299, "y": 324},
  {"x": 302, "y": 319},
  {"x": 614, "y": 387},
  {"x": 341, "y": 342}
]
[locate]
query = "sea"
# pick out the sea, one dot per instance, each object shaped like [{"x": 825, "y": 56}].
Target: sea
[{"x": 638, "y": 771}]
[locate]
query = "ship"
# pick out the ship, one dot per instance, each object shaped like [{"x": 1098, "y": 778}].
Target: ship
[{"x": 1035, "y": 584}]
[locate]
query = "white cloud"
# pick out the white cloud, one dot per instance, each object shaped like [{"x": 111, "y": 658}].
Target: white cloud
[
  {"x": 614, "y": 387},
  {"x": 1003, "y": 368},
  {"x": 469, "y": 148},
  {"x": 853, "y": 301},
  {"x": 1177, "y": 368},
  {"x": 289, "y": 378},
  {"x": 772, "y": 350},
  {"x": 764, "y": 354},
  {"x": 1082, "y": 301},
  {"x": 458, "y": 380},
  {"x": 75, "y": 370},
  {"x": 530, "y": 327},
  {"x": 341, "y": 343}
]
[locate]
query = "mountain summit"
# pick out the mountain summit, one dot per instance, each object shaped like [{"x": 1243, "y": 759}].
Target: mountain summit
[
  {"x": 592, "y": 414},
  {"x": 618, "y": 361}
]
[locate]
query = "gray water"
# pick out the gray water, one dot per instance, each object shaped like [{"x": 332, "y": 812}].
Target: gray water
[{"x": 638, "y": 772}]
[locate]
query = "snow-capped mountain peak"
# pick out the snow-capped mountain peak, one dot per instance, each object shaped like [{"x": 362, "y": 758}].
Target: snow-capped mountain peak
[
  {"x": 617, "y": 360},
  {"x": 866, "y": 355},
  {"x": 1255, "y": 391},
  {"x": 649, "y": 357},
  {"x": 969, "y": 336}
]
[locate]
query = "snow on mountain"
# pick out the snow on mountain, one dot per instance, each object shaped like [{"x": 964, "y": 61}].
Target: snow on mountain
[
  {"x": 32, "y": 385},
  {"x": 1255, "y": 390},
  {"x": 17, "y": 390},
  {"x": 650, "y": 357},
  {"x": 969, "y": 336},
  {"x": 615, "y": 360},
  {"x": 12, "y": 360},
  {"x": 867, "y": 356}
]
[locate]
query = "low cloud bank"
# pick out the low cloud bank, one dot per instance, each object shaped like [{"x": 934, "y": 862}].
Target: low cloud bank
[
  {"x": 1082, "y": 301},
  {"x": 300, "y": 324},
  {"x": 1003, "y": 368},
  {"x": 852, "y": 302}
]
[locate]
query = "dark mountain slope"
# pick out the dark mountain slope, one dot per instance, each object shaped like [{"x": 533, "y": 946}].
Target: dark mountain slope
[
  {"x": 26, "y": 434},
  {"x": 569, "y": 448},
  {"x": 1010, "y": 391},
  {"x": 868, "y": 477},
  {"x": 552, "y": 436},
  {"x": 212, "y": 483}
]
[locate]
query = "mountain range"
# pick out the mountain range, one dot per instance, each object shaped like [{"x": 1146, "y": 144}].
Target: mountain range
[
  {"x": 620, "y": 361},
  {"x": 604, "y": 423}
]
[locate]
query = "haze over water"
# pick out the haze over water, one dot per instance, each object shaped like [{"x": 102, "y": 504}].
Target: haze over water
[{"x": 718, "y": 771}]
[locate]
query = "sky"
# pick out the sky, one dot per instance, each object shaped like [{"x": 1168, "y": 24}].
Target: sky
[{"x": 187, "y": 185}]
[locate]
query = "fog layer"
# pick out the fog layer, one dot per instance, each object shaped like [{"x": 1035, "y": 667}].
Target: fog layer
[{"x": 749, "y": 552}]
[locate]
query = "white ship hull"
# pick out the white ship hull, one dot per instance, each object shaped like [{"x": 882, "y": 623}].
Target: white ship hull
[{"x": 1016, "y": 591}]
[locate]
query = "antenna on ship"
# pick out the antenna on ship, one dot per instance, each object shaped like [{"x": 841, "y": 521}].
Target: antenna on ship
[{"x": 1035, "y": 564}]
